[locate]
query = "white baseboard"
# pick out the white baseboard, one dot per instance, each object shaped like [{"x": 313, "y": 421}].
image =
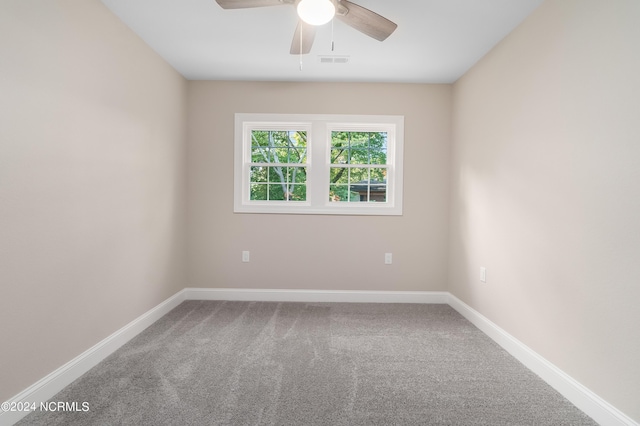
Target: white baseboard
[
  {"x": 594, "y": 406},
  {"x": 345, "y": 296},
  {"x": 47, "y": 387},
  {"x": 590, "y": 403}
]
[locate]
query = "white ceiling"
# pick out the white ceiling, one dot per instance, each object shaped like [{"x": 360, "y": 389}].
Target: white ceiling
[{"x": 436, "y": 41}]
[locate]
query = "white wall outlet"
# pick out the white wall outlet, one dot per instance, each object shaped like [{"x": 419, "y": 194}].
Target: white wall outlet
[
  {"x": 388, "y": 258},
  {"x": 483, "y": 274},
  {"x": 245, "y": 256}
]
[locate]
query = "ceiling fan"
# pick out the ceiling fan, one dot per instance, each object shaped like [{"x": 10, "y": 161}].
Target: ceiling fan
[{"x": 319, "y": 12}]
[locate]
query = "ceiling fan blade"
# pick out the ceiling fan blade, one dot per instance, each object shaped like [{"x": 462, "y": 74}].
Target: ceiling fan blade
[
  {"x": 308, "y": 35},
  {"x": 365, "y": 20},
  {"x": 244, "y": 4}
]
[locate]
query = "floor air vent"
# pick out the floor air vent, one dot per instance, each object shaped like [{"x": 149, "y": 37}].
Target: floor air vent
[{"x": 334, "y": 59}]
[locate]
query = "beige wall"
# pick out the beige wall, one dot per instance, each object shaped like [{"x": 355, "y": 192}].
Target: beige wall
[
  {"x": 546, "y": 191},
  {"x": 92, "y": 183},
  {"x": 318, "y": 252}
]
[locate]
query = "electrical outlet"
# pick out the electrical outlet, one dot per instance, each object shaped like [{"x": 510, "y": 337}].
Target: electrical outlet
[
  {"x": 388, "y": 258},
  {"x": 483, "y": 274},
  {"x": 245, "y": 256}
]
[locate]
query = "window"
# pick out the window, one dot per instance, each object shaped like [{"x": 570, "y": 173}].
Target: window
[{"x": 318, "y": 164}]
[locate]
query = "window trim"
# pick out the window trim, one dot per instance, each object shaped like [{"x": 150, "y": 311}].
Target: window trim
[{"x": 319, "y": 128}]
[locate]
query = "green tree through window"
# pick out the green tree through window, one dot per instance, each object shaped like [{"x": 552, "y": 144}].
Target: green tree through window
[
  {"x": 278, "y": 160},
  {"x": 358, "y": 166}
]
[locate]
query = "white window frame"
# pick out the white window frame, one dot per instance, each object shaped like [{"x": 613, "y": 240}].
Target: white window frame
[{"x": 319, "y": 128}]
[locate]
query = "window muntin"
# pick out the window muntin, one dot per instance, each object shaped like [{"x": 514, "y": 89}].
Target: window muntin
[{"x": 318, "y": 164}]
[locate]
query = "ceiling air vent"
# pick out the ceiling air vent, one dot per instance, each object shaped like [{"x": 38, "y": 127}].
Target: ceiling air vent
[{"x": 334, "y": 59}]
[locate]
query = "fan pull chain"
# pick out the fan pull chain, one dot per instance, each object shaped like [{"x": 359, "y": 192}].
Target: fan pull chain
[
  {"x": 332, "y": 42},
  {"x": 301, "y": 24}
]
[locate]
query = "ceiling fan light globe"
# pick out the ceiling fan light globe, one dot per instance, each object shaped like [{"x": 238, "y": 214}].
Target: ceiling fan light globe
[{"x": 316, "y": 12}]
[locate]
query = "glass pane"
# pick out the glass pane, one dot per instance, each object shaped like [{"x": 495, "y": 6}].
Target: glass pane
[
  {"x": 279, "y": 155},
  {"x": 359, "y": 175},
  {"x": 359, "y": 140},
  {"x": 359, "y": 156},
  {"x": 378, "y": 193},
  {"x": 258, "y": 174},
  {"x": 298, "y": 141},
  {"x": 258, "y": 192},
  {"x": 279, "y": 139},
  {"x": 296, "y": 175},
  {"x": 297, "y": 155},
  {"x": 275, "y": 174},
  {"x": 339, "y": 193},
  {"x": 259, "y": 138},
  {"x": 275, "y": 192},
  {"x": 378, "y": 156},
  {"x": 378, "y": 175},
  {"x": 340, "y": 139},
  {"x": 339, "y": 156},
  {"x": 339, "y": 175},
  {"x": 359, "y": 184},
  {"x": 356, "y": 197},
  {"x": 298, "y": 193},
  {"x": 259, "y": 155}
]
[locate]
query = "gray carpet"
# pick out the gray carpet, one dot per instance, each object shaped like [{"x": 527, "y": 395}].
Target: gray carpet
[{"x": 243, "y": 363}]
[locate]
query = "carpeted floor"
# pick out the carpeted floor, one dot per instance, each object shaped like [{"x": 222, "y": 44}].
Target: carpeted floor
[{"x": 260, "y": 363}]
